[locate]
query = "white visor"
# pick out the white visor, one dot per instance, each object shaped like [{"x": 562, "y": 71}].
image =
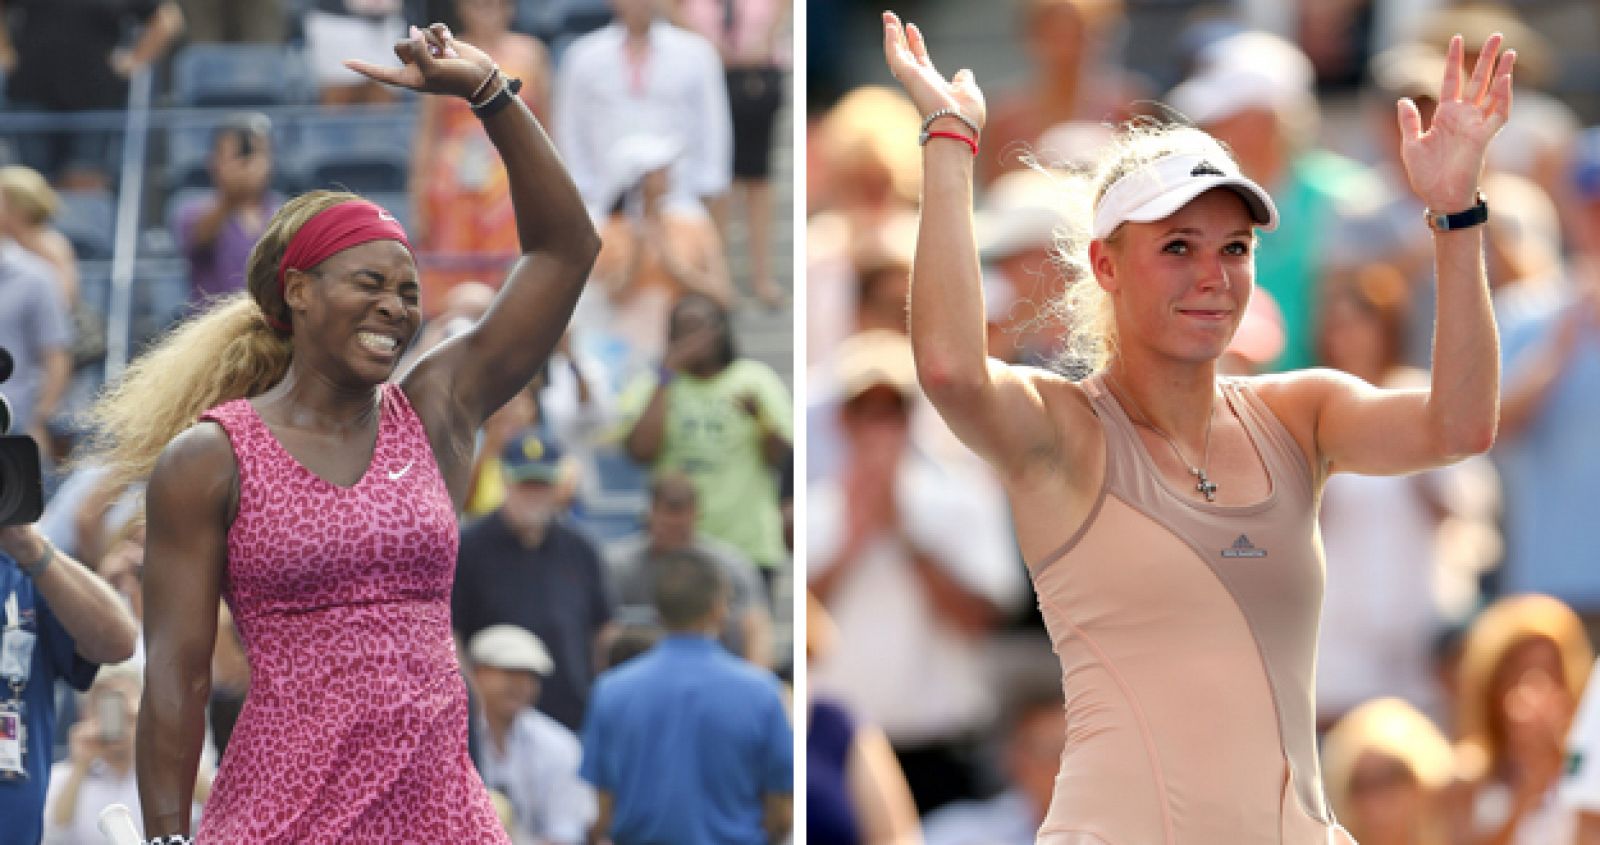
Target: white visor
[{"x": 1157, "y": 190}]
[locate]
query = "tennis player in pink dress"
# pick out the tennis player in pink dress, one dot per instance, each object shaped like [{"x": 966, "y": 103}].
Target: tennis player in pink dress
[
  {"x": 295, "y": 474},
  {"x": 1168, "y": 514}
]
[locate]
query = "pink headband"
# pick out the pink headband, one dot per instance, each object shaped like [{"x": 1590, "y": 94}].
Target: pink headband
[{"x": 334, "y": 230}]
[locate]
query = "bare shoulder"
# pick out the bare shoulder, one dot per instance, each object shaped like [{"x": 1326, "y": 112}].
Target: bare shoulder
[{"x": 196, "y": 475}]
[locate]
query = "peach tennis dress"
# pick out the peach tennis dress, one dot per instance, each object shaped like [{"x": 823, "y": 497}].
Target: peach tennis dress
[
  {"x": 355, "y": 728},
  {"x": 1187, "y": 635}
]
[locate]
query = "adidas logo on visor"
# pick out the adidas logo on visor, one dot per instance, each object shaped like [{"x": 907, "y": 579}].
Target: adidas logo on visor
[{"x": 1206, "y": 168}]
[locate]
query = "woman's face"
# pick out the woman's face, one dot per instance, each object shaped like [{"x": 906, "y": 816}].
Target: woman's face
[
  {"x": 1387, "y": 804},
  {"x": 1352, "y": 339},
  {"x": 1180, "y": 285},
  {"x": 358, "y": 310}
]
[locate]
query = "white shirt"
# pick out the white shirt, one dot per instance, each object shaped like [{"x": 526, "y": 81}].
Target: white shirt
[
  {"x": 921, "y": 679},
  {"x": 602, "y": 97},
  {"x": 1580, "y": 780},
  {"x": 539, "y": 774}
]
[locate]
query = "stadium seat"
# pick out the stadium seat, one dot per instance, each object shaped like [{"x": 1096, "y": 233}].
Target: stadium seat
[
  {"x": 239, "y": 75},
  {"x": 365, "y": 151},
  {"x": 88, "y": 220}
]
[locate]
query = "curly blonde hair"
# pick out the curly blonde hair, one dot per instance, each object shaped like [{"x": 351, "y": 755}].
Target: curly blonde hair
[
  {"x": 1084, "y": 307},
  {"x": 229, "y": 351}
]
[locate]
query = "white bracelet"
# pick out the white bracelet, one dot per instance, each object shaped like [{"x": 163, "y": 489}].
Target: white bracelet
[{"x": 37, "y": 568}]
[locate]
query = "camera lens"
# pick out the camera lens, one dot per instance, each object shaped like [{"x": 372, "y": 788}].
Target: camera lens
[
  {"x": 11, "y": 487},
  {"x": 5, "y": 415}
]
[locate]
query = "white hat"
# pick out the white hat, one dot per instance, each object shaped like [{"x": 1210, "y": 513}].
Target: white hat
[
  {"x": 510, "y": 647},
  {"x": 875, "y": 357},
  {"x": 1021, "y": 211},
  {"x": 1158, "y": 189},
  {"x": 1247, "y": 70}
]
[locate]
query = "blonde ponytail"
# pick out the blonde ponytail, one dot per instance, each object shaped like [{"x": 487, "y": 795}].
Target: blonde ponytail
[{"x": 227, "y": 352}]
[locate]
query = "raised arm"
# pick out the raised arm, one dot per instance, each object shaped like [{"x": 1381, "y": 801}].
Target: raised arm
[
  {"x": 1363, "y": 429},
  {"x": 191, "y": 493},
  {"x": 481, "y": 368},
  {"x": 102, "y": 629},
  {"x": 993, "y": 408}
]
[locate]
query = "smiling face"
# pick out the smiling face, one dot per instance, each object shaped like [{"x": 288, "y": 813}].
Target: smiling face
[
  {"x": 1179, "y": 286},
  {"x": 356, "y": 312}
]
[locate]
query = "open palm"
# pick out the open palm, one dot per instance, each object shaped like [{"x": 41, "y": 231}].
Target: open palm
[
  {"x": 908, "y": 59},
  {"x": 1445, "y": 162}
]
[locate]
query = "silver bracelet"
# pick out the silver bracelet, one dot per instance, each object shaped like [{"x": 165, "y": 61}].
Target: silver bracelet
[
  {"x": 37, "y": 568},
  {"x": 174, "y": 839},
  {"x": 927, "y": 123}
]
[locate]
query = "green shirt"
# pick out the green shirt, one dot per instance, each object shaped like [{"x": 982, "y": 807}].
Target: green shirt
[
  {"x": 711, "y": 438},
  {"x": 1316, "y": 197}
]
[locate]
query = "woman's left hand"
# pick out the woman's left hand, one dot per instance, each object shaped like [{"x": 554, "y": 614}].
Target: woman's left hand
[
  {"x": 434, "y": 63},
  {"x": 1445, "y": 162}
]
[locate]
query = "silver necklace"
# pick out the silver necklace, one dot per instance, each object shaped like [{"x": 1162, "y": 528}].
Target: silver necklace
[{"x": 1203, "y": 483}]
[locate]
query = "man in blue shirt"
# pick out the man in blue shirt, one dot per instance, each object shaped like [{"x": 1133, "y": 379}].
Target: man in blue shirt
[
  {"x": 687, "y": 743},
  {"x": 57, "y": 620}
]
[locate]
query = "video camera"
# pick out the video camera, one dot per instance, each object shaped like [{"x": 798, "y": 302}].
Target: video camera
[{"x": 21, "y": 482}]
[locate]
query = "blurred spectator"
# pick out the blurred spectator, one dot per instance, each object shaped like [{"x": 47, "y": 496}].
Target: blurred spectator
[
  {"x": 1253, "y": 92},
  {"x": 1387, "y": 770},
  {"x": 687, "y": 743},
  {"x": 36, "y": 330},
  {"x": 1022, "y": 285},
  {"x": 855, "y": 791},
  {"x": 1070, "y": 79},
  {"x": 723, "y": 420},
  {"x": 99, "y": 769},
  {"x": 527, "y": 756},
  {"x": 1380, "y": 607},
  {"x": 216, "y": 233},
  {"x": 337, "y": 30},
  {"x": 25, "y": 213},
  {"x": 670, "y": 527},
  {"x": 1035, "y": 735},
  {"x": 1547, "y": 454},
  {"x": 1525, "y": 665},
  {"x": 523, "y": 565},
  {"x": 642, "y": 75},
  {"x": 630, "y": 642},
  {"x": 65, "y": 56},
  {"x": 459, "y": 190},
  {"x": 862, "y": 179},
  {"x": 228, "y": 21},
  {"x": 1259, "y": 339},
  {"x": 658, "y": 246},
  {"x": 916, "y": 566},
  {"x": 751, "y": 36}
]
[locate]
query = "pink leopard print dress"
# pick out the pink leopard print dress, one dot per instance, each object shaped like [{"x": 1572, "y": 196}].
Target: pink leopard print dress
[{"x": 355, "y": 728}]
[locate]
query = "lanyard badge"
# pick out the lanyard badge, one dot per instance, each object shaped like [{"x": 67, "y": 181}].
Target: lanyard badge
[{"x": 16, "y": 660}]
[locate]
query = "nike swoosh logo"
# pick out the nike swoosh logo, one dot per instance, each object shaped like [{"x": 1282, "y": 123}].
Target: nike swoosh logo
[
  {"x": 384, "y": 215},
  {"x": 394, "y": 475}
]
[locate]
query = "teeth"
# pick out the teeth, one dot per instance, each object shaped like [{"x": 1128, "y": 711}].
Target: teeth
[{"x": 377, "y": 342}]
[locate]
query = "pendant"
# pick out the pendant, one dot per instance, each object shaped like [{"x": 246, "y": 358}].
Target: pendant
[{"x": 1204, "y": 485}]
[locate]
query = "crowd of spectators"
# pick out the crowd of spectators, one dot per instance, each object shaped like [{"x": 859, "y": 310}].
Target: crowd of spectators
[
  {"x": 648, "y": 446},
  {"x": 1461, "y": 604}
]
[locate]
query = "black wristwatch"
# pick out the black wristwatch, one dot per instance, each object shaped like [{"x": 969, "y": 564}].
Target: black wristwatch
[
  {"x": 500, "y": 100},
  {"x": 1440, "y": 222}
]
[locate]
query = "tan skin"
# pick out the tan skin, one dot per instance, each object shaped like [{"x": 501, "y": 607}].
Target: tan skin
[
  {"x": 1179, "y": 287},
  {"x": 325, "y": 410}
]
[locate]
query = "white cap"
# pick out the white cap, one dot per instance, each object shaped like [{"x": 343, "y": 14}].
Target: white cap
[
  {"x": 1246, "y": 70},
  {"x": 510, "y": 647},
  {"x": 1157, "y": 190},
  {"x": 1020, "y": 211}
]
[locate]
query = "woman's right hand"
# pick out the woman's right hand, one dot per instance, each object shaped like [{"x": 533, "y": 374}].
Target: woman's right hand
[
  {"x": 434, "y": 62},
  {"x": 907, "y": 54}
]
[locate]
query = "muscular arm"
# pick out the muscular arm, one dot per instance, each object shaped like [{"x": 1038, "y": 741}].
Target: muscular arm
[{"x": 191, "y": 493}]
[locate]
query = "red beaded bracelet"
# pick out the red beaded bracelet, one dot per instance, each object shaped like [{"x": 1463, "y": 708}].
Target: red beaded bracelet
[{"x": 971, "y": 143}]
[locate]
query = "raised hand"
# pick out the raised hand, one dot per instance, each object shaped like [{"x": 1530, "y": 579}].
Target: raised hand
[
  {"x": 434, "y": 62},
  {"x": 1445, "y": 162},
  {"x": 908, "y": 59}
]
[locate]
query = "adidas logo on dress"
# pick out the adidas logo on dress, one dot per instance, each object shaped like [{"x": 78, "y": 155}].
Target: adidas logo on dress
[{"x": 1242, "y": 547}]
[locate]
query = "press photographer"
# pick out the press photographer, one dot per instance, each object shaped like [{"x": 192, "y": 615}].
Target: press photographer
[{"x": 57, "y": 620}]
